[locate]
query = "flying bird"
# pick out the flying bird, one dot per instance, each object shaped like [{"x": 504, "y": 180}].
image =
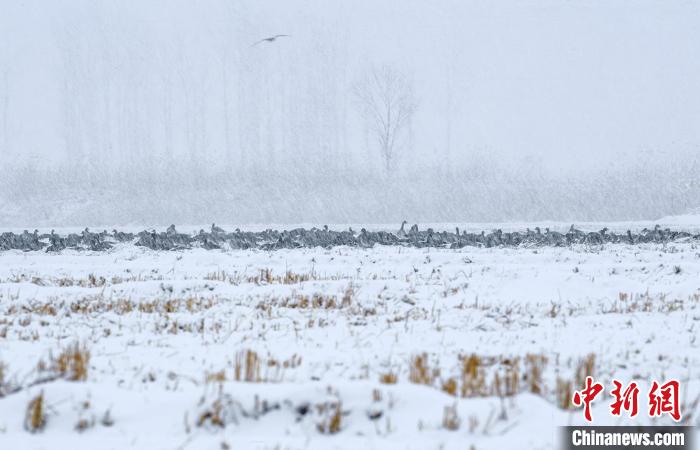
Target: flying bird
[{"x": 270, "y": 39}]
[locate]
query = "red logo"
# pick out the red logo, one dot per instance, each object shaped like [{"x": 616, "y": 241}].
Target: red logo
[
  {"x": 626, "y": 400},
  {"x": 663, "y": 399},
  {"x": 586, "y": 396}
]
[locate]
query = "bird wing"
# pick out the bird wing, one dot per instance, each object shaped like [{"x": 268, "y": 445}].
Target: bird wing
[{"x": 270, "y": 39}]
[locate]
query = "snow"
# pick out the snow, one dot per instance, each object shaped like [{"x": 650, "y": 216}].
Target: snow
[
  {"x": 197, "y": 312},
  {"x": 691, "y": 219}
]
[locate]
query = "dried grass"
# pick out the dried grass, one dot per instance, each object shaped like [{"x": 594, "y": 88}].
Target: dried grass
[
  {"x": 450, "y": 418},
  {"x": 35, "y": 416},
  {"x": 450, "y": 387},
  {"x": 565, "y": 388},
  {"x": 388, "y": 378},
  {"x": 215, "y": 377},
  {"x": 473, "y": 377},
  {"x": 247, "y": 367},
  {"x": 534, "y": 366},
  {"x": 564, "y": 394},
  {"x": 72, "y": 363},
  {"x": 331, "y": 418},
  {"x": 420, "y": 372},
  {"x": 263, "y": 277},
  {"x": 213, "y": 415},
  {"x": 250, "y": 367}
]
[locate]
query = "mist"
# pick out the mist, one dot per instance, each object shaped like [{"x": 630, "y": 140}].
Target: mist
[{"x": 159, "y": 112}]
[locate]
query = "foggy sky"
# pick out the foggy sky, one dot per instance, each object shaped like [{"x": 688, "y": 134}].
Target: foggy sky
[{"x": 560, "y": 84}]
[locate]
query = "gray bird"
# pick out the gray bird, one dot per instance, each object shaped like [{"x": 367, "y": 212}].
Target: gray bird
[{"x": 270, "y": 39}]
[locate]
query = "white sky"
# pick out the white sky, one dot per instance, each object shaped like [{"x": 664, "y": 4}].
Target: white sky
[{"x": 566, "y": 81}]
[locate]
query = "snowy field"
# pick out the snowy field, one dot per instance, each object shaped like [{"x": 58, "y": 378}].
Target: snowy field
[{"x": 344, "y": 348}]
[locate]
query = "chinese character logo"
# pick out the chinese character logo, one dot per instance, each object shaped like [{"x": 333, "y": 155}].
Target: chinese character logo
[
  {"x": 624, "y": 400},
  {"x": 586, "y": 396},
  {"x": 663, "y": 399}
]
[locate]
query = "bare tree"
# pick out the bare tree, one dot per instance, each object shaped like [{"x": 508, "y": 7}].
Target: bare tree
[
  {"x": 4, "y": 109},
  {"x": 4, "y": 94},
  {"x": 387, "y": 104}
]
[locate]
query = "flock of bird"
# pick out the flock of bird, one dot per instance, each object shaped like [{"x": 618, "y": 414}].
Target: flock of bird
[{"x": 217, "y": 238}]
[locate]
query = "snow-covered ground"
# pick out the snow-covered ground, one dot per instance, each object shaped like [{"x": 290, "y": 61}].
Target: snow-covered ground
[{"x": 345, "y": 348}]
